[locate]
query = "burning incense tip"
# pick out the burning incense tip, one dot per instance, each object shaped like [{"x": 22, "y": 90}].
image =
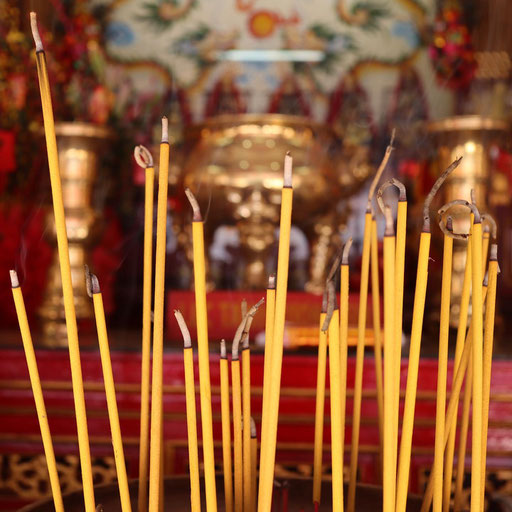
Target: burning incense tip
[
  {"x": 287, "y": 176},
  {"x": 402, "y": 195},
  {"x": 35, "y": 32},
  {"x": 165, "y": 130},
  {"x": 490, "y": 220},
  {"x": 493, "y": 253},
  {"x": 223, "y": 354},
  {"x": 195, "y": 206},
  {"x": 486, "y": 278},
  {"x": 187, "y": 341},
  {"x": 433, "y": 192},
  {"x": 91, "y": 282},
  {"x": 143, "y": 156},
  {"x": 390, "y": 227},
  {"x": 346, "y": 251},
  {"x": 253, "y": 428},
  {"x": 14, "y": 279},
  {"x": 271, "y": 282}
]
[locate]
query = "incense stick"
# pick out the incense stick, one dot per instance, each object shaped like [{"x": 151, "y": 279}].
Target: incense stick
[
  {"x": 190, "y": 396},
  {"x": 156, "y": 434},
  {"x": 37, "y": 391},
  {"x": 320, "y": 405},
  {"x": 442, "y": 371},
  {"x": 377, "y": 334},
  {"x": 94, "y": 291},
  {"x": 269, "y": 438},
  {"x": 203, "y": 353},
  {"x": 145, "y": 160},
  {"x": 389, "y": 463},
  {"x": 65, "y": 270},
  {"x": 226, "y": 428}
]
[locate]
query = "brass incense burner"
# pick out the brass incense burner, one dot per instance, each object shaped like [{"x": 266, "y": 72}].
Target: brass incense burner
[{"x": 234, "y": 165}]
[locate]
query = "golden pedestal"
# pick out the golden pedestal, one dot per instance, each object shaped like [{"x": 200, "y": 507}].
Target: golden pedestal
[
  {"x": 472, "y": 138},
  {"x": 78, "y": 145}
]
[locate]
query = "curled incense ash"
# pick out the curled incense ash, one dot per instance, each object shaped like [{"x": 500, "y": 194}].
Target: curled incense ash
[
  {"x": 243, "y": 307},
  {"x": 493, "y": 253},
  {"x": 380, "y": 170},
  {"x": 91, "y": 282},
  {"x": 472, "y": 196},
  {"x": 444, "y": 227},
  {"x": 15, "y": 283},
  {"x": 249, "y": 318},
  {"x": 288, "y": 166},
  {"x": 253, "y": 428},
  {"x": 223, "y": 354},
  {"x": 142, "y": 156},
  {"x": 346, "y": 251},
  {"x": 195, "y": 206},
  {"x": 271, "y": 282},
  {"x": 187, "y": 341},
  {"x": 35, "y": 32},
  {"x": 331, "y": 305},
  {"x": 390, "y": 183},
  {"x": 433, "y": 192},
  {"x": 390, "y": 226},
  {"x": 165, "y": 130},
  {"x": 324, "y": 301},
  {"x": 487, "y": 218},
  {"x": 241, "y": 330}
]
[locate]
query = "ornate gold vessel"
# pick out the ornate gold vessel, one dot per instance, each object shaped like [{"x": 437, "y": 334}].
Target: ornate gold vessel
[
  {"x": 471, "y": 137},
  {"x": 78, "y": 145},
  {"x": 234, "y": 165}
]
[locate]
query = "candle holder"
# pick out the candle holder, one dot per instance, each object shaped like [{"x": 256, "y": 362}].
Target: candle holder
[
  {"x": 79, "y": 145},
  {"x": 472, "y": 138}
]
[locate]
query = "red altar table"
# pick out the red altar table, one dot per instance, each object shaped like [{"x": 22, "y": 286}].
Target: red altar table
[{"x": 22, "y": 461}]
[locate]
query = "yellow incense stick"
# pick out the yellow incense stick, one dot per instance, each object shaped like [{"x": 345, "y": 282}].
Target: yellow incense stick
[
  {"x": 246, "y": 418},
  {"x": 404, "y": 460},
  {"x": 488, "y": 348},
  {"x": 401, "y": 231},
  {"x": 269, "y": 438},
  {"x": 93, "y": 288},
  {"x": 65, "y": 270},
  {"x": 155, "y": 466},
  {"x": 358, "y": 380},
  {"x": 269, "y": 333},
  {"x": 144, "y": 159},
  {"x": 389, "y": 462},
  {"x": 319, "y": 407},
  {"x": 226, "y": 428},
  {"x": 335, "y": 401},
  {"x": 459, "y": 345},
  {"x": 203, "y": 354},
  {"x": 190, "y": 396},
  {"x": 361, "y": 332},
  {"x": 463, "y": 437},
  {"x": 37, "y": 391},
  {"x": 442, "y": 371},
  {"x": 344, "y": 300},
  {"x": 374, "y": 260},
  {"x": 254, "y": 465},
  {"x": 477, "y": 318},
  {"x": 237, "y": 432}
]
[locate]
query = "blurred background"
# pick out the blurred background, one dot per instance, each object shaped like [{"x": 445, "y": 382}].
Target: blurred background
[{"x": 242, "y": 82}]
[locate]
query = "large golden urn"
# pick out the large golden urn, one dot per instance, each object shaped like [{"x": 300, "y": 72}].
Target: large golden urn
[
  {"x": 79, "y": 146},
  {"x": 471, "y": 137},
  {"x": 234, "y": 165}
]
